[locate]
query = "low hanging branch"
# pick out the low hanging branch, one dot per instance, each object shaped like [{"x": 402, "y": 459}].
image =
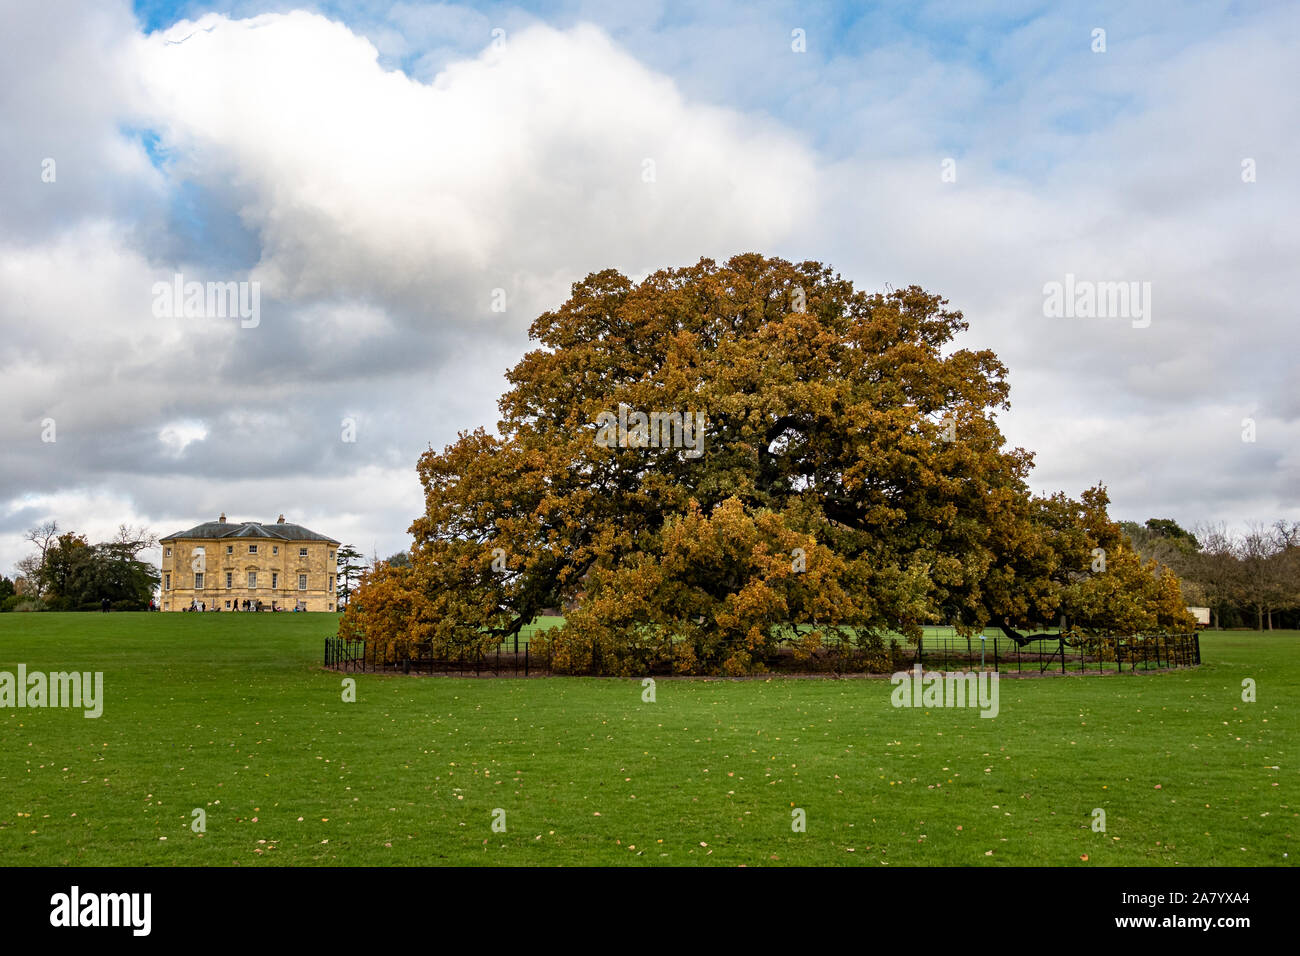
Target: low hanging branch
[{"x": 1023, "y": 639}]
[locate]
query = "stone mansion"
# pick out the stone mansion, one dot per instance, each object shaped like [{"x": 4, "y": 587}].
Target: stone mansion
[{"x": 225, "y": 564}]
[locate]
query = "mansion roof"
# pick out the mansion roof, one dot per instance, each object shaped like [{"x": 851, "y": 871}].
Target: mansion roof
[{"x": 275, "y": 530}]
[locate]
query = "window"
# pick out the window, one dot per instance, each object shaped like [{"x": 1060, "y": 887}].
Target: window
[
  {"x": 275, "y": 580},
  {"x": 230, "y": 549},
  {"x": 302, "y": 552},
  {"x": 227, "y": 605},
  {"x": 230, "y": 582},
  {"x": 275, "y": 549},
  {"x": 331, "y": 607},
  {"x": 331, "y": 555},
  {"x": 198, "y": 580},
  {"x": 302, "y": 582},
  {"x": 331, "y": 584},
  {"x": 167, "y": 586},
  {"x": 252, "y": 549},
  {"x": 169, "y": 552},
  {"x": 252, "y": 580}
]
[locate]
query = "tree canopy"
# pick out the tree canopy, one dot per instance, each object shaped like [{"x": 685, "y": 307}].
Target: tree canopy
[
  {"x": 77, "y": 574},
  {"x": 793, "y": 459},
  {"x": 348, "y": 564}
]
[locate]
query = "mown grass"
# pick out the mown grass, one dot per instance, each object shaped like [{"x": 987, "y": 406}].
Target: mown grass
[{"x": 232, "y": 714}]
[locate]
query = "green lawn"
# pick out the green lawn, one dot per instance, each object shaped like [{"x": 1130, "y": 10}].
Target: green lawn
[{"x": 232, "y": 714}]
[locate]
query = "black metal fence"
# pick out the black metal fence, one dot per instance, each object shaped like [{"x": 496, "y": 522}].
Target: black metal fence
[
  {"x": 345, "y": 655},
  {"x": 348, "y": 654},
  {"x": 1058, "y": 655},
  {"x": 941, "y": 652}
]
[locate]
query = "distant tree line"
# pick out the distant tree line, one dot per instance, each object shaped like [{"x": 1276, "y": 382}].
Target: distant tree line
[
  {"x": 1246, "y": 578},
  {"x": 66, "y": 572}
]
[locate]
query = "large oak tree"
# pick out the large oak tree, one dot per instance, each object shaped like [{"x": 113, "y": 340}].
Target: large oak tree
[{"x": 851, "y": 481}]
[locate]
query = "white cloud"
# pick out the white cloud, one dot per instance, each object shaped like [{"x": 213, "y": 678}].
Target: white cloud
[
  {"x": 176, "y": 436},
  {"x": 526, "y": 159}
]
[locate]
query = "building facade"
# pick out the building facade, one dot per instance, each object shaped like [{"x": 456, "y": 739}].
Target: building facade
[{"x": 243, "y": 564}]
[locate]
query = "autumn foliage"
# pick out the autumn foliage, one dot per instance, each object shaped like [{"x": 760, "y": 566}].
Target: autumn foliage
[{"x": 853, "y": 483}]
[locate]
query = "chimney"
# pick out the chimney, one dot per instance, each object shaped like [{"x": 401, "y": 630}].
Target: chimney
[
  {"x": 222, "y": 519},
  {"x": 280, "y": 520}
]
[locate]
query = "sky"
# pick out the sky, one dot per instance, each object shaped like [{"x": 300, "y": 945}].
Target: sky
[{"x": 407, "y": 186}]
